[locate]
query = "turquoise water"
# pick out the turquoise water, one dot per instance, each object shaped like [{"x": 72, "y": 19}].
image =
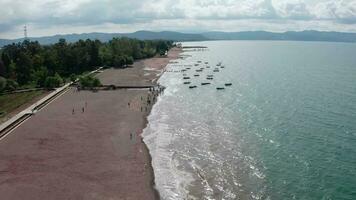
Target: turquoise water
[{"x": 285, "y": 129}]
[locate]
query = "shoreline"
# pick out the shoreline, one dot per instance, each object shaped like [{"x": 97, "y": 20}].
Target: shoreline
[
  {"x": 162, "y": 70},
  {"x": 96, "y": 154}
]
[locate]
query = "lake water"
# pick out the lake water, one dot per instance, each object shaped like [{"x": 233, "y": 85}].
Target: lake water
[{"x": 285, "y": 129}]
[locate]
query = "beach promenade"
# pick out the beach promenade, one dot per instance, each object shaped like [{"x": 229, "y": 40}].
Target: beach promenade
[{"x": 95, "y": 152}]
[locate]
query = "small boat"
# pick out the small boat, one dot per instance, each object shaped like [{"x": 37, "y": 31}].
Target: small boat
[
  {"x": 196, "y": 75},
  {"x": 210, "y": 78},
  {"x": 210, "y": 75},
  {"x": 228, "y": 84},
  {"x": 186, "y": 77},
  {"x": 199, "y": 70},
  {"x": 205, "y": 83},
  {"x": 193, "y": 86},
  {"x": 206, "y": 62},
  {"x": 220, "y": 88},
  {"x": 186, "y": 83},
  {"x": 196, "y": 65},
  {"x": 208, "y": 67},
  {"x": 216, "y": 70},
  {"x": 199, "y": 61},
  {"x": 222, "y": 67},
  {"x": 187, "y": 68}
]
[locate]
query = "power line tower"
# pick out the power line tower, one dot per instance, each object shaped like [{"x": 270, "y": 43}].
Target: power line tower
[{"x": 25, "y": 32}]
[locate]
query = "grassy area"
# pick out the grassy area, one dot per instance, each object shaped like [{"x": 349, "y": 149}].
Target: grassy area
[{"x": 10, "y": 102}]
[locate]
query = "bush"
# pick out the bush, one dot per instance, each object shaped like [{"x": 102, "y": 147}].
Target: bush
[
  {"x": 53, "y": 81},
  {"x": 11, "y": 85},
  {"x": 129, "y": 60},
  {"x": 96, "y": 82},
  {"x": 89, "y": 82}
]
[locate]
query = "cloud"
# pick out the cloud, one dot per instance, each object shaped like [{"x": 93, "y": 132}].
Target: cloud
[
  {"x": 339, "y": 10},
  {"x": 297, "y": 10},
  {"x": 145, "y": 14}
]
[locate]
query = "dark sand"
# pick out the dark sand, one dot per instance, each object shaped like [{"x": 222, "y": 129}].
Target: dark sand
[{"x": 91, "y": 155}]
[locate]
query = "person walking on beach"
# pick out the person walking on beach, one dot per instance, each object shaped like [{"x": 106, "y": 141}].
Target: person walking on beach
[
  {"x": 83, "y": 110},
  {"x": 73, "y": 111}
]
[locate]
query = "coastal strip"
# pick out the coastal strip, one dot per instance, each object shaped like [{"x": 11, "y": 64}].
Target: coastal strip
[{"x": 86, "y": 145}]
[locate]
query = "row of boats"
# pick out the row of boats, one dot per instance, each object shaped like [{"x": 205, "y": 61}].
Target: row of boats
[{"x": 208, "y": 77}]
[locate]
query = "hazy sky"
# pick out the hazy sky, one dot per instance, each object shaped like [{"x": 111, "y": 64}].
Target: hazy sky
[{"x": 49, "y": 17}]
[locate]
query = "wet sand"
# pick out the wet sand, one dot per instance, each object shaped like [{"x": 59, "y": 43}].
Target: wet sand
[{"x": 95, "y": 154}]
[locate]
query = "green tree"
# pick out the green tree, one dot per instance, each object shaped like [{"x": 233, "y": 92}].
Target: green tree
[
  {"x": 24, "y": 68},
  {"x": 11, "y": 70},
  {"x": 2, "y": 84},
  {"x": 6, "y": 59},
  {"x": 119, "y": 61},
  {"x": 2, "y": 69},
  {"x": 40, "y": 76}
]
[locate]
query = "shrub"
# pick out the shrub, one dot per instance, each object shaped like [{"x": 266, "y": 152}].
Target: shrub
[
  {"x": 129, "y": 60},
  {"x": 11, "y": 85},
  {"x": 89, "y": 82},
  {"x": 53, "y": 81}
]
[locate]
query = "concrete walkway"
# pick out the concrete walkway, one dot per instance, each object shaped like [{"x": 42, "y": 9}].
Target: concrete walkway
[
  {"x": 32, "y": 109},
  {"x": 4, "y": 127}
]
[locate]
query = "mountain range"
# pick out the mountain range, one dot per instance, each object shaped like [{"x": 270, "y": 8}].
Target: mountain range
[{"x": 177, "y": 36}]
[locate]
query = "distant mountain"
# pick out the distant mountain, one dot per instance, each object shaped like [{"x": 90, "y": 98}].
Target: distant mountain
[
  {"x": 291, "y": 35},
  {"x": 104, "y": 37},
  {"x": 176, "y": 36}
]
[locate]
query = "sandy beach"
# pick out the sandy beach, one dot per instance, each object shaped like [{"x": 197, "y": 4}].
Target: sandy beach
[{"x": 94, "y": 153}]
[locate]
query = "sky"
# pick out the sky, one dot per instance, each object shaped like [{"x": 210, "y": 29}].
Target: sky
[{"x": 51, "y": 17}]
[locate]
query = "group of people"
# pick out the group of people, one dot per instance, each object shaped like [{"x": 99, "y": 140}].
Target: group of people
[{"x": 154, "y": 92}]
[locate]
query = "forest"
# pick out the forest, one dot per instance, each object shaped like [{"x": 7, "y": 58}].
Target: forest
[{"x": 29, "y": 64}]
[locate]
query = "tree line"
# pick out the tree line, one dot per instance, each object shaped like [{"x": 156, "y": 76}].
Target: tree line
[{"x": 30, "y": 64}]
